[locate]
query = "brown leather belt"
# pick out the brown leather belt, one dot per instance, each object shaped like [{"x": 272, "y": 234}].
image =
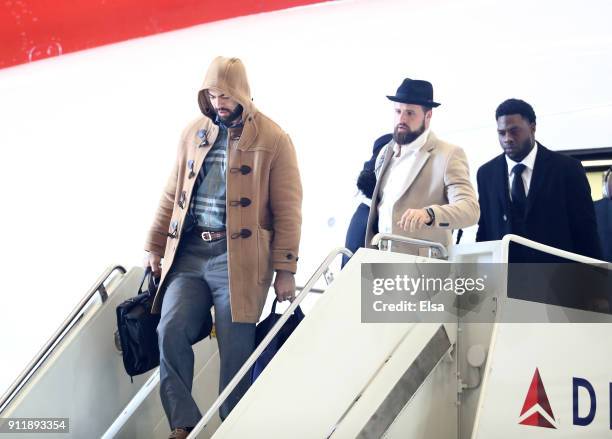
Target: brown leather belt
[{"x": 209, "y": 235}]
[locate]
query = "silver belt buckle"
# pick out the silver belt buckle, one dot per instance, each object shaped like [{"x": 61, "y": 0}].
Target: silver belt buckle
[{"x": 206, "y": 236}]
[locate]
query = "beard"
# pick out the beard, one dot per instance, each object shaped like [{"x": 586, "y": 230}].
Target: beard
[
  {"x": 522, "y": 151},
  {"x": 408, "y": 136},
  {"x": 227, "y": 120}
]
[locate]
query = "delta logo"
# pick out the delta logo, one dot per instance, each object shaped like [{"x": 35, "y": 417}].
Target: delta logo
[{"x": 537, "y": 410}]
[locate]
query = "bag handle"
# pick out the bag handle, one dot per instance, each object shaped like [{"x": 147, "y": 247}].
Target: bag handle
[
  {"x": 152, "y": 281},
  {"x": 297, "y": 312}
]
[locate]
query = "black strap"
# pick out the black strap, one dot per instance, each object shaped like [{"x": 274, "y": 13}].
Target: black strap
[
  {"x": 152, "y": 282},
  {"x": 298, "y": 311}
]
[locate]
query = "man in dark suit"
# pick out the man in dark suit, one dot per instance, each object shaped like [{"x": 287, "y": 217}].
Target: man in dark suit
[
  {"x": 603, "y": 212},
  {"x": 533, "y": 192}
]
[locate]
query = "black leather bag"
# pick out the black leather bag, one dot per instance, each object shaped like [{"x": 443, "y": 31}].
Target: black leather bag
[
  {"x": 137, "y": 329},
  {"x": 279, "y": 339}
]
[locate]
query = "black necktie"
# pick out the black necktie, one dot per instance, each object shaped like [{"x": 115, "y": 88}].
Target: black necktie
[{"x": 518, "y": 189}]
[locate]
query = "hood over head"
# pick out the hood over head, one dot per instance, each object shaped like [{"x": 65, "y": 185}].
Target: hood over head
[{"x": 229, "y": 76}]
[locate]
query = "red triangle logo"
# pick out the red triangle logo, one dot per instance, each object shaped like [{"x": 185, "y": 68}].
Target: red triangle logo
[
  {"x": 537, "y": 396},
  {"x": 537, "y": 420}
]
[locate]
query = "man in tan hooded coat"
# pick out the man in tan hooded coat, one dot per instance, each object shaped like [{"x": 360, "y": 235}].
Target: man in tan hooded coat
[{"x": 229, "y": 217}]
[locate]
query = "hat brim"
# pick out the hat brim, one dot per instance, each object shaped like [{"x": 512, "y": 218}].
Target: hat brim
[{"x": 404, "y": 100}]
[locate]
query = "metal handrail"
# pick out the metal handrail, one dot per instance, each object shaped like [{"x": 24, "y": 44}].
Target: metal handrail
[
  {"x": 132, "y": 406},
  {"x": 266, "y": 341},
  {"x": 41, "y": 356},
  {"x": 544, "y": 248},
  {"x": 378, "y": 239},
  {"x": 146, "y": 390}
]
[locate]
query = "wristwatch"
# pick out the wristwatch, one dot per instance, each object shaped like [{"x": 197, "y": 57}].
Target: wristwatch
[{"x": 432, "y": 216}]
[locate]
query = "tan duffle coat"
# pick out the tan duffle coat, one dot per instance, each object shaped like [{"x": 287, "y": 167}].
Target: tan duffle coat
[{"x": 264, "y": 195}]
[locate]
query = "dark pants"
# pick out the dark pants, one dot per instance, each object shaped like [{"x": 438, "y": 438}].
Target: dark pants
[
  {"x": 198, "y": 280},
  {"x": 355, "y": 235}
]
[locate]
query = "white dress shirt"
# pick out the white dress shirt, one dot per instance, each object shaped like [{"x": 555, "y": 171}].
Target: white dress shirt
[
  {"x": 529, "y": 162},
  {"x": 392, "y": 185},
  {"x": 363, "y": 199}
]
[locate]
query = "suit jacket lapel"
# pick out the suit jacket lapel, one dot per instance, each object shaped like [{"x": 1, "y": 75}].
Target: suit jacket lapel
[
  {"x": 420, "y": 158},
  {"x": 540, "y": 169},
  {"x": 387, "y": 160},
  {"x": 504, "y": 194}
]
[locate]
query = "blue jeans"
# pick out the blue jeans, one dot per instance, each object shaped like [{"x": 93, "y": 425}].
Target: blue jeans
[{"x": 197, "y": 281}]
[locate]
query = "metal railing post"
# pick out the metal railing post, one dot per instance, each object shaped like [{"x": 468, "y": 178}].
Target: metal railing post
[
  {"x": 379, "y": 239},
  {"x": 544, "y": 248},
  {"x": 41, "y": 356}
]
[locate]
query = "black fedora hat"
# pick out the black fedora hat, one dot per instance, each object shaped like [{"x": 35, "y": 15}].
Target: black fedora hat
[{"x": 415, "y": 91}]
